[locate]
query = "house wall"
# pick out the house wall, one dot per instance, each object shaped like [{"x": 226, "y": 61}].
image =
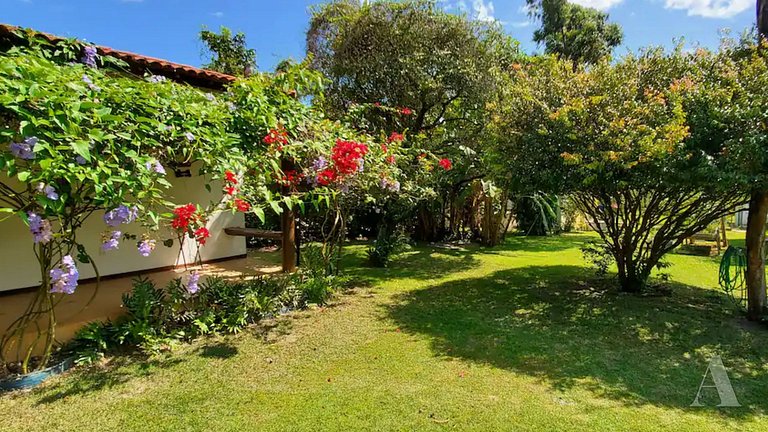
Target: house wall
[{"x": 19, "y": 268}]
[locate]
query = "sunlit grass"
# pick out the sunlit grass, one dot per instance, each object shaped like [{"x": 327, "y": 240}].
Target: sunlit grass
[{"x": 518, "y": 337}]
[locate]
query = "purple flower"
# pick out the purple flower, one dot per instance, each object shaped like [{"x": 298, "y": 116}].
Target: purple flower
[
  {"x": 210, "y": 97},
  {"x": 110, "y": 241},
  {"x": 189, "y": 136},
  {"x": 392, "y": 186},
  {"x": 361, "y": 168},
  {"x": 231, "y": 106},
  {"x": 80, "y": 160},
  {"x": 146, "y": 247},
  {"x": 24, "y": 149},
  {"x": 64, "y": 277},
  {"x": 121, "y": 215},
  {"x": 157, "y": 79},
  {"x": 89, "y": 56},
  {"x": 48, "y": 190},
  {"x": 156, "y": 167},
  {"x": 320, "y": 164},
  {"x": 40, "y": 228},
  {"x": 192, "y": 281},
  {"x": 91, "y": 85}
]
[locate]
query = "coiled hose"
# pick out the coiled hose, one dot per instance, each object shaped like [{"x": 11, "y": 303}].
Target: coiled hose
[{"x": 733, "y": 272}]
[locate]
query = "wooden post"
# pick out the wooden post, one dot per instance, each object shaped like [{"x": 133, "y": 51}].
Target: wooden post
[
  {"x": 288, "y": 227},
  {"x": 289, "y": 240}
]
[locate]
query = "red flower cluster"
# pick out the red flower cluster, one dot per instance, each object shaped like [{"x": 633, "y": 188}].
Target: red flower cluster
[
  {"x": 291, "y": 178},
  {"x": 277, "y": 136},
  {"x": 242, "y": 206},
  {"x": 230, "y": 188},
  {"x": 326, "y": 177},
  {"x": 184, "y": 215},
  {"x": 406, "y": 111},
  {"x": 188, "y": 220},
  {"x": 346, "y": 156},
  {"x": 201, "y": 235},
  {"x": 395, "y": 136},
  {"x": 446, "y": 164},
  {"x": 391, "y": 159}
]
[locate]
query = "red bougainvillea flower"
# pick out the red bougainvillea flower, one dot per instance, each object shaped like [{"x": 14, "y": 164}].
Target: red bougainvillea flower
[
  {"x": 347, "y": 156},
  {"x": 384, "y": 148},
  {"x": 406, "y": 111},
  {"x": 291, "y": 178},
  {"x": 422, "y": 156},
  {"x": 277, "y": 136},
  {"x": 230, "y": 190},
  {"x": 446, "y": 164},
  {"x": 201, "y": 235},
  {"x": 391, "y": 159},
  {"x": 242, "y": 206},
  {"x": 377, "y": 104},
  {"x": 395, "y": 136},
  {"x": 183, "y": 215},
  {"x": 231, "y": 177},
  {"x": 326, "y": 177}
]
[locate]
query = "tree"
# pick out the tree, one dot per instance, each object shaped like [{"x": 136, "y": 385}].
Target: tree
[
  {"x": 617, "y": 139},
  {"x": 729, "y": 117},
  {"x": 410, "y": 66},
  {"x": 227, "y": 53},
  {"x": 579, "y": 34},
  {"x": 758, "y": 212}
]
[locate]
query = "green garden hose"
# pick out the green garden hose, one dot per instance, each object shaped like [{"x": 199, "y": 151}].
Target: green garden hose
[{"x": 733, "y": 270}]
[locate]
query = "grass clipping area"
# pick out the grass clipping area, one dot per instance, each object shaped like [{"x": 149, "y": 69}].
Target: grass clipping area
[{"x": 518, "y": 337}]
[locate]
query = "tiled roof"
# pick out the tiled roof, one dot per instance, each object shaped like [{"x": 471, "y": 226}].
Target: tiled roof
[{"x": 141, "y": 64}]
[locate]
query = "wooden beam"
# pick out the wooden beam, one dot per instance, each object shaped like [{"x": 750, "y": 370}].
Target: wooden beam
[{"x": 255, "y": 233}]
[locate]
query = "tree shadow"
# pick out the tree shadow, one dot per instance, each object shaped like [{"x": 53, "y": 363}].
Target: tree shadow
[
  {"x": 221, "y": 350},
  {"x": 120, "y": 370},
  {"x": 421, "y": 263},
  {"x": 556, "y": 323}
]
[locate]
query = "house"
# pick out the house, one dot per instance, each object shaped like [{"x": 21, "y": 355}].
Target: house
[{"x": 17, "y": 261}]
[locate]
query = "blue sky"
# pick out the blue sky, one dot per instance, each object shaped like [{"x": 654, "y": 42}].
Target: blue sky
[{"x": 275, "y": 28}]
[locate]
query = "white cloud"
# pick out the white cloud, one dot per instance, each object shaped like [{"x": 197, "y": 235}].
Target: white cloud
[
  {"x": 598, "y": 4},
  {"x": 218, "y": 14},
  {"x": 711, "y": 8},
  {"x": 483, "y": 11}
]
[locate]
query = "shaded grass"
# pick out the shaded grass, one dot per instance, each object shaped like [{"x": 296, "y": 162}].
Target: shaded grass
[{"x": 517, "y": 337}]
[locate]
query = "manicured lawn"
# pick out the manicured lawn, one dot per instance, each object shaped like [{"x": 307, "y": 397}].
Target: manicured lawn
[{"x": 518, "y": 337}]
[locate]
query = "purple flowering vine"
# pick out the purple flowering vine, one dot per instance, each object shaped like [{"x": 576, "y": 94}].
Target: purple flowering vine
[
  {"x": 90, "y": 54},
  {"x": 121, "y": 215},
  {"x": 25, "y": 149},
  {"x": 146, "y": 247},
  {"x": 64, "y": 277},
  {"x": 192, "y": 281},
  {"x": 48, "y": 191},
  {"x": 155, "y": 79},
  {"x": 189, "y": 136},
  {"x": 91, "y": 85},
  {"x": 40, "y": 228},
  {"x": 110, "y": 240},
  {"x": 155, "y": 166}
]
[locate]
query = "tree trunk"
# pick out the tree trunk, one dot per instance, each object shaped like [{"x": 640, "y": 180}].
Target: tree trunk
[
  {"x": 758, "y": 210},
  {"x": 755, "y": 280}
]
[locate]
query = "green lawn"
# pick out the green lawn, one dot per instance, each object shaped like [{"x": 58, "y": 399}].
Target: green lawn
[{"x": 518, "y": 337}]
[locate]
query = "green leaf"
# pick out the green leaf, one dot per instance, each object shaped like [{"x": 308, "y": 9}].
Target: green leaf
[
  {"x": 82, "y": 148},
  {"x": 260, "y": 214}
]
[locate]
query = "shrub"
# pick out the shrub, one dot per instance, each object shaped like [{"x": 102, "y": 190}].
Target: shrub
[
  {"x": 156, "y": 318},
  {"x": 386, "y": 247}
]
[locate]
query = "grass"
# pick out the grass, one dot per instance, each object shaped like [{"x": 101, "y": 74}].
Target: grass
[{"x": 518, "y": 337}]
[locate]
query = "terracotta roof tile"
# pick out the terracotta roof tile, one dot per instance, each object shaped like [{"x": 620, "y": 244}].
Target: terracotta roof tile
[{"x": 141, "y": 63}]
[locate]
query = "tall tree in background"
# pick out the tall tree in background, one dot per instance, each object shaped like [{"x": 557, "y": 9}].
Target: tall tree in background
[
  {"x": 442, "y": 67},
  {"x": 579, "y": 34},
  {"x": 758, "y": 212},
  {"x": 227, "y": 53}
]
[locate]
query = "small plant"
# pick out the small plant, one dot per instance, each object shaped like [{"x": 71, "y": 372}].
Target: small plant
[
  {"x": 386, "y": 247},
  {"x": 598, "y": 255}
]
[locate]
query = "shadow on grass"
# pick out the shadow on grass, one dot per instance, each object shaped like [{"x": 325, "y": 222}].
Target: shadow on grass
[
  {"x": 120, "y": 370},
  {"x": 557, "y": 324},
  {"x": 422, "y": 262},
  {"x": 220, "y": 350}
]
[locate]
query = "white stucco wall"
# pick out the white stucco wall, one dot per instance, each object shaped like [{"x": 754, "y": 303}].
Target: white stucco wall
[{"x": 19, "y": 268}]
